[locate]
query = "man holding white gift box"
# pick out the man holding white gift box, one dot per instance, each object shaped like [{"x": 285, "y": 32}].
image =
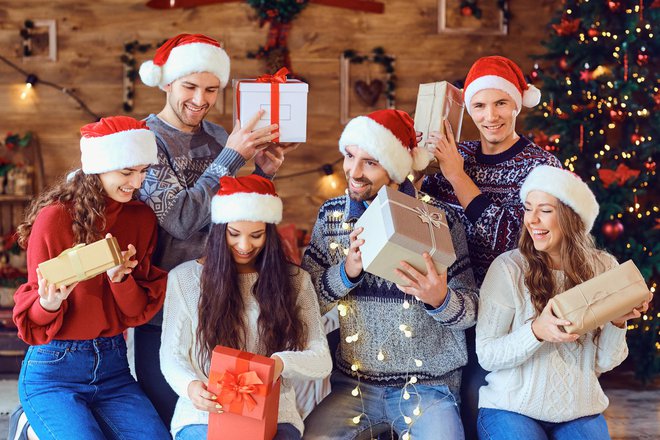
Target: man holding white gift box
[
  {"x": 193, "y": 154},
  {"x": 402, "y": 346},
  {"x": 481, "y": 180}
]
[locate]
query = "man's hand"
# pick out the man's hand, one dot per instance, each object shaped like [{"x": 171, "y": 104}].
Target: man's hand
[
  {"x": 247, "y": 141},
  {"x": 446, "y": 152},
  {"x": 271, "y": 158},
  {"x": 353, "y": 263},
  {"x": 430, "y": 288},
  {"x": 546, "y": 327}
]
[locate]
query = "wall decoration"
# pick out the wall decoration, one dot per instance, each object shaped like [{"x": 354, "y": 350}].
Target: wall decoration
[
  {"x": 39, "y": 40},
  {"x": 368, "y": 90},
  {"x": 475, "y": 17}
]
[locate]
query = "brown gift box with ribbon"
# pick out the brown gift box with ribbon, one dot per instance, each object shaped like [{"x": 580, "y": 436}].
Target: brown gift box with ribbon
[
  {"x": 601, "y": 299},
  {"x": 250, "y": 400},
  {"x": 398, "y": 227},
  {"x": 435, "y": 103},
  {"x": 284, "y": 101},
  {"x": 82, "y": 262}
]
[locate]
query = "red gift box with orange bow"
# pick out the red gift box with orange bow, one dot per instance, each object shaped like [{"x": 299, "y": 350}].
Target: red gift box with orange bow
[{"x": 244, "y": 385}]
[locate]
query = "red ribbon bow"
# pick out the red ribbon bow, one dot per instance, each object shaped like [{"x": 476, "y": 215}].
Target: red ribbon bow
[
  {"x": 239, "y": 389},
  {"x": 277, "y": 77}
]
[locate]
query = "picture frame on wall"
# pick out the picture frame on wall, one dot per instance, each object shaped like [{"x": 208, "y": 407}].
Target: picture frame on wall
[
  {"x": 40, "y": 41},
  {"x": 455, "y": 19}
]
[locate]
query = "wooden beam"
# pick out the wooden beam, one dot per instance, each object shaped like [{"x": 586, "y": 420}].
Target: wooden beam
[
  {"x": 357, "y": 5},
  {"x": 167, "y": 4}
]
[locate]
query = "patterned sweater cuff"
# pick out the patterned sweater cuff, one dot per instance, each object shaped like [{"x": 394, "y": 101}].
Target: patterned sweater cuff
[
  {"x": 528, "y": 338},
  {"x": 228, "y": 159},
  {"x": 348, "y": 281},
  {"x": 477, "y": 206}
]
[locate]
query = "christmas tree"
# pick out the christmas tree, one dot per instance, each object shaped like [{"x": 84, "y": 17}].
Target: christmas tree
[{"x": 600, "y": 115}]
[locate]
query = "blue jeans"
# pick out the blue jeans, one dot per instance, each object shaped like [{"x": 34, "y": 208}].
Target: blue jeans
[
  {"x": 285, "y": 431},
  {"x": 84, "y": 390},
  {"x": 497, "y": 424},
  {"x": 384, "y": 406}
]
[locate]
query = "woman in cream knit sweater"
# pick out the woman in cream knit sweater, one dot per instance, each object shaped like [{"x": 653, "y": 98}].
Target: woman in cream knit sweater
[
  {"x": 243, "y": 295},
  {"x": 543, "y": 382}
]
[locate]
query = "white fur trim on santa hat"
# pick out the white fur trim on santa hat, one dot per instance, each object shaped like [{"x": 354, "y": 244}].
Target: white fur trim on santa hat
[
  {"x": 251, "y": 207},
  {"x": 492, "y": 82},
  {"x": 380, "y": 143},
  {"x": 117, "y": 151},
  {"x": 566, "y": 187},
  {"x": 185, "y": 60}
]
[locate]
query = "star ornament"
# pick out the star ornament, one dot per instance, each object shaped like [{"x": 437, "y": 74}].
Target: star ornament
[{"x": 586, "y": 75}]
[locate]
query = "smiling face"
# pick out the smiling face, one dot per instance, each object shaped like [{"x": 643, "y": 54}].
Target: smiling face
[
  {"x": 494, "y": 113},
  {"x": 542, "y": 223},
  {"x": 189, "y": 99},
  {"x": 245, "y": 240},
  {"x": 364, "y": 175},
  {"x": 120, "y": 185}
]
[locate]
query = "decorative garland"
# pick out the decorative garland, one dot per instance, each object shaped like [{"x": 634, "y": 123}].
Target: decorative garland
[
  {"x": 471, "y": 8},
  {"x": 130, "y": 70},
  {"x": 379, "y": 57},
  {"x": 26, "y": 34}
]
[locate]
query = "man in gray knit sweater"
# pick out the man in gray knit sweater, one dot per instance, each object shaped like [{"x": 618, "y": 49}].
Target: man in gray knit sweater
[
  {"x": 402, "y": 346},
  {"x": 192, "y": 156}
]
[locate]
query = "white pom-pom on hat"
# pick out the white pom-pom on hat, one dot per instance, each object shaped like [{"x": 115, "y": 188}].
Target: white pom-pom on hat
[{"x": 150, "y": 73}]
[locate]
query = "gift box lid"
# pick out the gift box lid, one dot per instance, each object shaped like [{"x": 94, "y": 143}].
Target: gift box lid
[{"x": 250, "y": 85}]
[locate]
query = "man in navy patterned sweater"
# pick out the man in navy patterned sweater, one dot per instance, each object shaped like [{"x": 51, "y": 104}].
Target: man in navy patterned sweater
[
  {"x": 402, "y": 346},
  {"x": 482, "y": 179}
]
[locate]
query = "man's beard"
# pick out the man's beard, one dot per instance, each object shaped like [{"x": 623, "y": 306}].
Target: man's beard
[{"x": 367, "y": 195}]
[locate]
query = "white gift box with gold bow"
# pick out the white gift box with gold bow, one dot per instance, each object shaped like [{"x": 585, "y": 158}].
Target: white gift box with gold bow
[
  {"x": 601, "y": 299},
  {"x": 398, "y": 227}
]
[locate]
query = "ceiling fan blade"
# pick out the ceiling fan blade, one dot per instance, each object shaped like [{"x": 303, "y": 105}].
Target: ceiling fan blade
[
  {"x": 168, "y": 4},
  {"x": 357, "y": 5}
]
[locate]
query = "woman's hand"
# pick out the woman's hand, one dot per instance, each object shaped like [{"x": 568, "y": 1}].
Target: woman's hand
[
  {"x": 51, "y": 297},
  {"x": 117, "y": 273},
  {"x": 635, "y": 313},
  {"x": 546, "y": 327},
  {"x": 203, "y": 399},
  {"x": 279, "y": 366}
]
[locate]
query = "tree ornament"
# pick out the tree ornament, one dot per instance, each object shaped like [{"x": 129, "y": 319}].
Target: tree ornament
[
  {"x": 635, "y": 137},
  {"x": 566, "y": 27},
  {"x": 593, "y": 32},
  {"x": 614, "y": 5},
  {"x": 612, "y": 229},
  {"x": 619, "y": 176},
  {"x": 535, "y": 73},
  {"x": 585, "y": 75},
  {"x": 563, "y": 64},
  {"x": 650, "y": 166},
  {"x": 617, "y": 115},
  {"x": 642, "y": 59},
  {"x": 466, "y": 11}
]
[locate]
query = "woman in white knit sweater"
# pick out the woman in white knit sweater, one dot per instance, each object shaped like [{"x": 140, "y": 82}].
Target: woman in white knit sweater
[
  {"x": 243, "y": 294},
  {"x": 544, "y": 382}
]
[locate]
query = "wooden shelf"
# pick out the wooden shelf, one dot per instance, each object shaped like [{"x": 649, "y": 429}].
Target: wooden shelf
[{"x": 9, "y": 198}]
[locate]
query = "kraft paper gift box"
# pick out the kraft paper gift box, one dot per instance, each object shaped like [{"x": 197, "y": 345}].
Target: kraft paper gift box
[
  {"x": 284, "y": 101},
  {"x": 398, "y": 227},
  {"x": 82, "y": 262},
  {"x": 601, "y": 299},
  {"x": 250, "y": 400}
]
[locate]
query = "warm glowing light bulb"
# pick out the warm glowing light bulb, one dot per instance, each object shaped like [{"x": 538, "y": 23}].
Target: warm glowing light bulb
[
  {"x": 407, "y": 419},
  {"x": 406, "y": 395},
  {"x": 406, "y": 304},
  {"x": 381, "y": 356},
  {"x": 356, "y": 391},
  {"x": 417, "y": 411},
  {"x": 354, "y": 367},
  {"x": 356, "y": 419},
  {"x": 418, "y": 362}
]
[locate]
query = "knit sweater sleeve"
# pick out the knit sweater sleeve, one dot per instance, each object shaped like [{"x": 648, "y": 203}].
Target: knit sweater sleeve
[
  {"x": 177, "y": 338},
  {"x": 459, "y": 310},
  {"x": 326, "y": 265},
  {"x": 498, "y": 345},
  {"x": 35, "y": 324},
  {"x": 181, "y": 209},
  {"x": 314, "y": 361},
  {"x": 141, "y": 294},
  {"x": 493, "y": 222}
]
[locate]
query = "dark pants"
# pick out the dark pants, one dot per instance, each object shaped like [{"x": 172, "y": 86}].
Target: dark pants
[
  {"x": 147, "y": 368},
  {"x": 474, "y": 377}
]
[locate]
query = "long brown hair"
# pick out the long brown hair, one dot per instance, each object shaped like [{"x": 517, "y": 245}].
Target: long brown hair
[
  {"x": 577, "y": 252},
  {"x": 221, "y": 306},
  {"x": 83, "y": 196}
]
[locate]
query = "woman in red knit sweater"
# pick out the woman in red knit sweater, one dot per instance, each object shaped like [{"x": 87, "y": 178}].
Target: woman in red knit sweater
[{"x": 75, "y": 382}]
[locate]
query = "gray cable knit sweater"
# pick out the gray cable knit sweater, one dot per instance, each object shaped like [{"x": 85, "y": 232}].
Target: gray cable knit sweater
[{"x": 374, "y": 307}]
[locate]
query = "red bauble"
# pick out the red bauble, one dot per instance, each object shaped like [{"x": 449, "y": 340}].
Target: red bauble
[
  {"x": 563, "y": 64},
  {"x": 466, "y": 11},
  {"x": 650, "y": 166},
  {"x": 617, "y": 115},
  {"x": 593, "y": 32},
  {"x": 642, "y": 59},
  {"x": 612, "y": 229},
  {"x": 614, "y": 5},
  {"x": 635, "y": 137}
]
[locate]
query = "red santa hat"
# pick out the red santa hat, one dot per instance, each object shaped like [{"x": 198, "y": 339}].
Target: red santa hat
[
  {"x": 183, "y": 55},
  {"x": 565, "y": 186},
  {"x": 115, "y": 143},
  {"x": 247, "y": 198},
  {"x": 389, "y": 137},
  {"x": 495, "y": 72}
]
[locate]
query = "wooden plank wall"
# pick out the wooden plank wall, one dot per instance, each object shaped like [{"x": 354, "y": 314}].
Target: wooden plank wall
[{"x": 91, "y": 35}]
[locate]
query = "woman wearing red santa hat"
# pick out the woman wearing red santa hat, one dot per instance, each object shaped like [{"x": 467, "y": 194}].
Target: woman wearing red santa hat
[
  {"x": 75, "y": 382},
  {"x": 243, "y": 294},
  {"x": 543, "y": 383}
]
